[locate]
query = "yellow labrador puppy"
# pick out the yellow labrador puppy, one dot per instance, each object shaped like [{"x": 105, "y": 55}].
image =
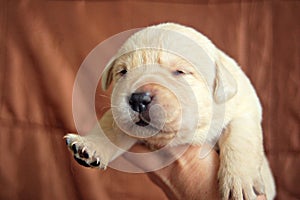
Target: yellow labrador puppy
[{"x": 172, "y": 86}]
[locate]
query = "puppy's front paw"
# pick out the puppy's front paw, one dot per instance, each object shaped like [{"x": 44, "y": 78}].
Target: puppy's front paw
[
  {"x": 84, "y": 151},
  {"x": 239, "y": 184}
]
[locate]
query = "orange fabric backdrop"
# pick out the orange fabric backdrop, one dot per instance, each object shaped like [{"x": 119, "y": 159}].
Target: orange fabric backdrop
[{"x": 43, "y": 43}]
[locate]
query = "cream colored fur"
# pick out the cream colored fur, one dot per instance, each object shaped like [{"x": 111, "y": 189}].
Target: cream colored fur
[{"x": 244, "y": 170}]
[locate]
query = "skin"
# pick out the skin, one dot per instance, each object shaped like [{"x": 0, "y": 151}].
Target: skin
[{"x": 188, "y": 177}]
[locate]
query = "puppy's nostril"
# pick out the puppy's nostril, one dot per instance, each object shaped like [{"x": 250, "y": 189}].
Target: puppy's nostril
[
  {"x": 139, "y": 101},
  {"x": 146, "y": 99}
]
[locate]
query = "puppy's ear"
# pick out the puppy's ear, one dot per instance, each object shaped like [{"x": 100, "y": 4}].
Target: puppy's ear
[
  {"x": 225, "y": 84},
  {"x": 107, "y": 75}
]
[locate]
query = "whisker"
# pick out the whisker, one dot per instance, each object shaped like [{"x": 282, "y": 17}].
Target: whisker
[
  {"x": 113, "y": 106},
  {"x": 104, "y": 108},
  {"x": 125, "y": 94},
  {"x": 102, "y": 95}
]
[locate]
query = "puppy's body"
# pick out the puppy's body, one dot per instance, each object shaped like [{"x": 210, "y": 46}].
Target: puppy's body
[{"x": 225, "y": 100}]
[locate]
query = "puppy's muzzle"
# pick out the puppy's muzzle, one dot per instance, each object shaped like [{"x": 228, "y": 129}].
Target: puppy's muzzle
[{"x": 139, "y": 101}]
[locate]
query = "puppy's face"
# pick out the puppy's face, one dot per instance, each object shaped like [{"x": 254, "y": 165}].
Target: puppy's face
[
  {"x": 158, "y": 95},
  {"x": 167, "y": 80}
]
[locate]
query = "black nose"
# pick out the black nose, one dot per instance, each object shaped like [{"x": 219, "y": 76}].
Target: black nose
[{"x": 139, "y": 101}]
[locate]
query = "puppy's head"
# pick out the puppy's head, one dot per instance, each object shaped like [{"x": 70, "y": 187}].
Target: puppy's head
[{"x": 160, "y": 92}]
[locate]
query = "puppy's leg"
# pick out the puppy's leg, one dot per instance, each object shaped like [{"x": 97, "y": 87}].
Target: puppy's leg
[
  {"x": 97, "y": 149},
  {"x": 241, "y": 158},
  {"x": 268, "y": 179}
]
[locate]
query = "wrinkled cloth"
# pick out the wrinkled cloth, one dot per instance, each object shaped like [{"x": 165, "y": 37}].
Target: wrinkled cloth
[{"x": 43, "y": 43}]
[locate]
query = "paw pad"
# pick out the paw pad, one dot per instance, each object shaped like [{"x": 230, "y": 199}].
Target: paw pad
[{"x": 83, "y": 153}]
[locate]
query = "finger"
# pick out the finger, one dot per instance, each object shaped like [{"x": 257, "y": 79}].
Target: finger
[
  {"x": 156, "y": 160},
  {"x": 139, "y": 149}
]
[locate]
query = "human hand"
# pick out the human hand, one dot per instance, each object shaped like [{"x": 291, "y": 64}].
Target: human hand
[{"x": 189, "y": 177}]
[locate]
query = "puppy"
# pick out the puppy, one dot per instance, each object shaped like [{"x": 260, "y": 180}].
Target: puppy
[{"x": 172, "y": 86}]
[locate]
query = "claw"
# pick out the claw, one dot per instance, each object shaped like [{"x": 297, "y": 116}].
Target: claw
[
  {"x": 96, "y": 163},
  {"x": 83, "y": 153},
  {"x": 103, "y": 167},
  {"x": 67, "y": 140}
]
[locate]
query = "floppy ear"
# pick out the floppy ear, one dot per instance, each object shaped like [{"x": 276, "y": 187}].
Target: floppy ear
[
  {"x": 225, "y": 84},
  {"x": 107, "y": 75}
]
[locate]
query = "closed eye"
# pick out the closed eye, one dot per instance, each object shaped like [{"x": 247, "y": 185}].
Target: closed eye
[
  {"x": 178, "y": 72},
  {"x": 122, "y": 72}
]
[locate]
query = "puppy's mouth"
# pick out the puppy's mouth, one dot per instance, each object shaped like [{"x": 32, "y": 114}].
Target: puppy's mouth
[
  {"x": 144, "y": 120},
  {"x": 142, "y": 123}
]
